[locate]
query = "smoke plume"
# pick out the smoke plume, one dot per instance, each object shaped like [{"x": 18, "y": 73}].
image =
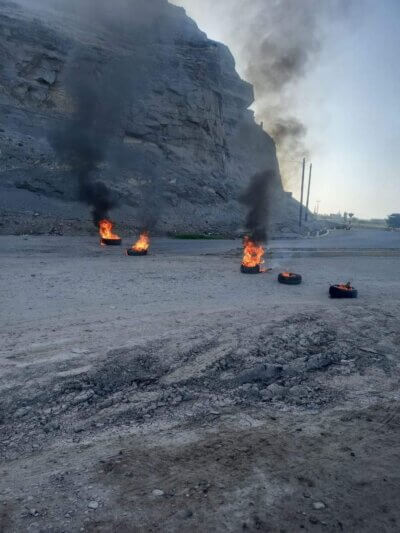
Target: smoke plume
[
  {"x": 83, "y": 142},
  {"x": 256, "y": 198},
  {"x": 276, "y": 43},
  {"x": 100, "y": 89}
]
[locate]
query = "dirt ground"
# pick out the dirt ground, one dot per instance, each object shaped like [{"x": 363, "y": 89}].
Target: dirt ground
[{"x": 172, "y": 393}]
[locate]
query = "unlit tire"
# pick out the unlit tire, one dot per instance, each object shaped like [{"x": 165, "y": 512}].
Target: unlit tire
[
  {"x": 338, "y": 292},
  {"x": 293, "y": 279}
]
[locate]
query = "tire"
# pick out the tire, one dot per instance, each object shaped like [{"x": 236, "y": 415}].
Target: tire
[
  {"x": 111, "y": 242},
  {"x": 133, "y": 253},
  {"x": 250, "y": 270},
  {"x": 292, "y": 279},
  {"x": 337, "y": 291}
]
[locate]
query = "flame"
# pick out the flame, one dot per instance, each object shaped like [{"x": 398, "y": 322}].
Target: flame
[
  {"x": 106, "y": 230},
  {"x": 143, "y": 244},
  {"x": 253, "y": 254},
  {"x": 345, "y": 287}
]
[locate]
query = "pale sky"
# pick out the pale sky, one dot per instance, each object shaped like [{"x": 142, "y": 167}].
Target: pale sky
[{"x": 350, "y": 102}]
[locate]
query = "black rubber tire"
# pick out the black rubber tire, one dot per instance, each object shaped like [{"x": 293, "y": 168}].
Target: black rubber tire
[
  {"x": 294, "y": 279},
  {"x": 337, "y": 292},
  {"x": 250, "y": 270},
  {"x": 133, "y": 253},
  {"x": 111, "y": 242}
]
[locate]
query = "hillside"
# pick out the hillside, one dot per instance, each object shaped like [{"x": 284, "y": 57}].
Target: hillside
[{"x": 185, "y": 148}]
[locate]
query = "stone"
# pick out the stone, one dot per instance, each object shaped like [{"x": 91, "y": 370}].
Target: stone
[
  {"x": 158, "y": 492},
  {"x": 93, "y": 505},
  {"x": 318, "y": 505},
  {"x": 266, "y": 395},
  {"x": 278, "y": 392},
  {"x": 298, "y": 391},
  {"x": 22, "y": 411},
  {"x": 82, "y": 397},
  {"x": 320, "y": 361},
  {"x": 261, "y": 374}
]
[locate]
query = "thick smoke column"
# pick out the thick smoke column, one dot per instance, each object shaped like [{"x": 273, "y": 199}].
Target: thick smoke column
[
  {"x": 98, "y": 105},
  {"x": 257, "y": 200},
  {"x": 100, "y": 88}
]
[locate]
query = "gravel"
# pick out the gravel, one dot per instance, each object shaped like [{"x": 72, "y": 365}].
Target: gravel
[{"x": 199, "y": 382}]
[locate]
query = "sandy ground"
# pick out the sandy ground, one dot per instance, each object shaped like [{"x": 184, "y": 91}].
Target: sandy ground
[{"x": 172, "y": 393}]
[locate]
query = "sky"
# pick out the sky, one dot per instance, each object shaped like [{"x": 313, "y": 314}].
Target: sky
[{"x": 346, "y": 92}]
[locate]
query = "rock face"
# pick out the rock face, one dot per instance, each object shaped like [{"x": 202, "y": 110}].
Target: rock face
[{"x": 188, "y": 133}]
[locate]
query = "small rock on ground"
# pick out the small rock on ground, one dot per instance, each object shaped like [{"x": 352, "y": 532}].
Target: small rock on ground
[
  {"x": 93, "y": 505},
  {"x": 319, "y": 505}
]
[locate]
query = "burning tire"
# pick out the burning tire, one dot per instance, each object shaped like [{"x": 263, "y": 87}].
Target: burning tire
[
  {"x": 141, "y": 247},
  {"x": 288, "y": 278},
  {"x": 134, "y": 253},
  {"x": 343, "y": 291},
  {"x": 111, "y": 242},
  {"x": 253, "y": 254},
  {"x": 108, "y": 238},
  {"x": 250, "y": 270}
]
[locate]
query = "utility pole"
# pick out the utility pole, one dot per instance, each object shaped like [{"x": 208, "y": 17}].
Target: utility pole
[
  {"x": 302, "y": 192},
  {"x": 308, "y": 194}
]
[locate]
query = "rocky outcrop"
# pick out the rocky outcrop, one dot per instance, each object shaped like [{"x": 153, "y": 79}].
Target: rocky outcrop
[{"x": 188, "y": 133}]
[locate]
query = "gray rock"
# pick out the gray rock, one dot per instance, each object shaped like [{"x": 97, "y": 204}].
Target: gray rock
[
  {"x": 298, "y": 391},
  {"x": 319, "y": 361},
  {"x": 106, "y": 403},
  {"x": 318, "y": 505},
  {"x": 22, "y": 411},
  {"x": 158, "y": 492},
  {"x": 188, "y": 133},
  {"x": 93, "y": 505},
  {"x": 266, "y": 395},
  {"x": 278, "y": 392},
  {"x": 82, "y": 397},
  {"x": 261, "y": 374}
]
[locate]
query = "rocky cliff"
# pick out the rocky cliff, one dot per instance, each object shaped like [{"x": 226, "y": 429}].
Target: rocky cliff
[{"x": 187, "y": 135}]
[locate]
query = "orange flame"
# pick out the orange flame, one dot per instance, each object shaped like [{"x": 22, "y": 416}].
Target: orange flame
[
  {"x": 106, "y": 230},
  {"x": 345, "y": 287},
  {"x": 143, "y": 244},
  {"x": 253, "y": 254}
]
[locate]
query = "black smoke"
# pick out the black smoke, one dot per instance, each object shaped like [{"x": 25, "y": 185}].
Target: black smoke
[
  {"x": 281, "y": 44},
  {"x": 276, "y": 44},
  {"x": 256, "y": 198},
  {"x": 100, "y": 87},
  {"x": 82, "y": 142}
]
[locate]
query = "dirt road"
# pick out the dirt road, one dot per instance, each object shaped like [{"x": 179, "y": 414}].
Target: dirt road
[{"x": 172, "y": 393}]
